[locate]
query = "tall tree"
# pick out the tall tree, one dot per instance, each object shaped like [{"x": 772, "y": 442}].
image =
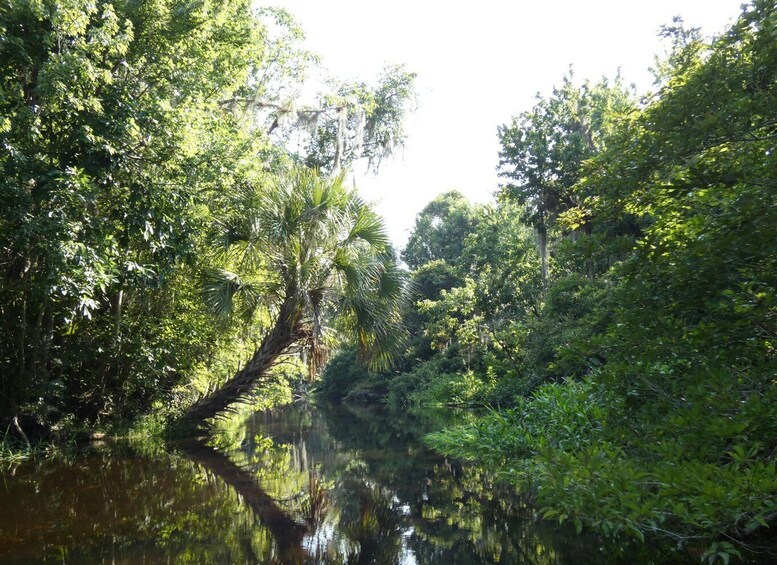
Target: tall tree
[
  {"x": 126, "y": 127},
  {"x": 358, "y": 121},
  {"x": 680, "y": 406},
  {"x": 698, "y": 167},
  {"x": 543, "y": 149}
]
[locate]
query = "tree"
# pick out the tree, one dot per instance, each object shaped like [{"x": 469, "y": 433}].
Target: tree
[
  {"x": 346, "y": 122},
  {"x": 108, "y": 115},
  {"x": 358, "y": 121},
  {"x": 127, "y": 128},
  {"x": 440, "y": 230},
  {"x": 309, "y": 250},
  {"x": 677, "y": 412},
  {"x": 697, "y": 167},
  {"x": 543, "y": 149}
]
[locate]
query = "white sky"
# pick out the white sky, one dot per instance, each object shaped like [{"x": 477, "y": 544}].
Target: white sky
[{"x": 478, "y": 64}]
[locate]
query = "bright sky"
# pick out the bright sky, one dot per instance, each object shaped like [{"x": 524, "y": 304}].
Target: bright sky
[{"x": 478, "y": 64}]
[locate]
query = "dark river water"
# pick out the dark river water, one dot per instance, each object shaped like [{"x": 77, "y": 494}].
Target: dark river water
[{"x": 302, "y": 485}]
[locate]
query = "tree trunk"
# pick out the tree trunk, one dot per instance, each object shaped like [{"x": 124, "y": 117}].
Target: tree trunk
[
  {"x": 542, "y": 243},
  {"x": 590, "y": 261},
  {"x": 287, "y": 532},
  {"x": 116, "y": 305},
  {"x": 284, "y": 334}
]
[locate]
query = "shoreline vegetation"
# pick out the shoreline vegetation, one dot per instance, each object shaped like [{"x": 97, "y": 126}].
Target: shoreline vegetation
[
  {"x": 178, "y": 240},
  {"x": 617, "y": 304}
]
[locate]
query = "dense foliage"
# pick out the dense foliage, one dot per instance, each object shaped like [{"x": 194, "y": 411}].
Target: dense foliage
[
  {"x": 172, "y": 215},
  {"x": 129, "y": 131},
  {"x": 620, "y": 301},
  {"x": 108, "y": 114}
]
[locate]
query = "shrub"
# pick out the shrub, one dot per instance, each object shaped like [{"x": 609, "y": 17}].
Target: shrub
[{"x": 342, "y": 374}]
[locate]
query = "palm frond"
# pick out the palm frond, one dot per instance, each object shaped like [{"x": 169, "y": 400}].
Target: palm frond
[
  {"x": 219, "y": 288},
  {"x": 368, "y": 227},
  {"x": 377, "y": 328},
  {"x": 394, "y": 282},
  {"x": 228, "y": 295}
]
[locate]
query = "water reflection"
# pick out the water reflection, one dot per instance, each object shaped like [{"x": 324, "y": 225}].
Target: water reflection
[
  {"x": 391, "y": 500},
  {"x": 327, "y": 485},
  {"x": 106, "y": 507}
]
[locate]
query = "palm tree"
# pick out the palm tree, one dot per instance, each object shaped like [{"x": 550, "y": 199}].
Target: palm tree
[{"x": 307, "y": 250}]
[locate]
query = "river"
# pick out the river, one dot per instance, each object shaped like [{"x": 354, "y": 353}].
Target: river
[{"x": 300, "y": 484}]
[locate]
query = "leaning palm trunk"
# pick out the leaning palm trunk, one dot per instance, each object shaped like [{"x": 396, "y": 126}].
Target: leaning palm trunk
[
  {"x": 286, "y": 332},
  {"x": 328, "y": 251},
  {"x": 287, "y": 532}
]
